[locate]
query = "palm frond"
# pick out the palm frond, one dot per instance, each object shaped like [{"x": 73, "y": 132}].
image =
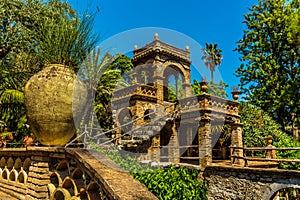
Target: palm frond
[{"x": 11, "y": 96}]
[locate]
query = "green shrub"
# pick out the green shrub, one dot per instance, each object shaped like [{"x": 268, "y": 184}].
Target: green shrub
[
  {"x": 173, "y": 183},
  {"x": 257, "y": 124},
  {"x": 165, "y": 183}
]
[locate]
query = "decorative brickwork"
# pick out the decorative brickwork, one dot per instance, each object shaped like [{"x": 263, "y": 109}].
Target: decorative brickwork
[{"x": 57, "y": 173}]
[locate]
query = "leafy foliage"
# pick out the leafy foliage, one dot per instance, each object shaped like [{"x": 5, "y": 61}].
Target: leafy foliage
[
  {"x": 102, "y": 75},
  {"x": 33, "y": 34},
  {"x": 270, "y": 73},
  {"x": 174, "y": 183},
  {"x": 65, "y": 38},
  {"x": 257, "y": 124},
  {"x": 166, "y": 183}
]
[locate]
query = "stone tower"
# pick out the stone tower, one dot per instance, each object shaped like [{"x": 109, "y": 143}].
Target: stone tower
[
  {"x": 158, "y": 116},
  {"x": 160, "y": 71}
]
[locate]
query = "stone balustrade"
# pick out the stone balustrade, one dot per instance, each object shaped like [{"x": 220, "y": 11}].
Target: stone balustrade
[
  {"x": 142, "y": 90},
  {"x": 124, "y": 92},
  {"x": 58, "y": 173},
  {"x": 211, "y": 103}
]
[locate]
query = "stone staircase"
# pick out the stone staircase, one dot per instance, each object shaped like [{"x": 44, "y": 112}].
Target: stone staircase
[{"x": 144, "y": 132}]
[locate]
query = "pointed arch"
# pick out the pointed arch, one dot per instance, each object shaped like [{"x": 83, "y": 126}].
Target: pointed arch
[
  {"x": 22, "y": 177},
  {"x": 18, "y": 164},
  {"x": 26, "y": 164},
  {"x": 93, "y": 191},
  {"x": 5, "y": 174},
  {"x": 13, "y": 174},
  {"x": 60, "y": 193},
  {"x": 55, "y": 179},
  {"x": 70, "y": 185}
]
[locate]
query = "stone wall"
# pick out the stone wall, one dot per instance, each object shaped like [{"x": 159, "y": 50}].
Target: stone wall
[{"x": 234, "y": 183}]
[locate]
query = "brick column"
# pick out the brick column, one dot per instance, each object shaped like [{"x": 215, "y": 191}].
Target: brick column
[
  {"x": 154, "y": 153},
  {"x": 174, "y": 155},
  {"x": 204, "y": 142},
  {"x": 159, "y": 84},
  {"x": 237, "y": 141},
  {"x": 187, "y": 90},
  {"x": 38, "y": 178}
]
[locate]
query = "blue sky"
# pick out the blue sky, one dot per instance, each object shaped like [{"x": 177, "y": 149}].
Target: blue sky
[{"x": 179, "y": 23}]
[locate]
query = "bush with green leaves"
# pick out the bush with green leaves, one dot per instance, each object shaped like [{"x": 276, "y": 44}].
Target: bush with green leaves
[
  {"x": 173, "y": 183},
  {"x": 165, "y": 183},
  {"x": 257, "y": 124}
]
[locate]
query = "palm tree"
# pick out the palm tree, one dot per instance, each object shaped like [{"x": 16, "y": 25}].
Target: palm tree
[
  {"x": 101, "y": 76},
  {"x": 11, "y": 95},
  {"x": 90, "y": 73},
  {"x": 212, "y": 57}
]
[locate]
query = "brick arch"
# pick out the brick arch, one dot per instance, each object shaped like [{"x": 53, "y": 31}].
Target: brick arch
[
  {"x": 22, "y": 177},
  {"x": 5, "y": 174},
  {"x": 275, "y": 187},
  {"x": 2, "y": 162},
  {"x": 148, "y": 116},
  {"x": 18, "y": 164},
  {"x": 124, "y": 115},
  {"x": 13, "y": 174},
  {"x": 77, "y": 173},
  {"x": 26, "y": 164},
  {"x": 55, "y": 179},
  {"x": 63, "y": 169},
  {"x": 78, "y": 176},
  {"x": 148, "y": 70},
  {"x": 178, "y": 67},
  {"x": 170, "y": 68},
  {"x": 10, "y": 163},
  {"x": 70, "y": 185},
  {"x": 63, "y": 165},
  {"x": 83, "y": 195},
  {"x": 93, "y": 191},
  {"x": 60, "y": 193}
]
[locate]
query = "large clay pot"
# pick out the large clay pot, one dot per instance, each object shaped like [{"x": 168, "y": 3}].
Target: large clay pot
[{"x": 54, "y": 100}]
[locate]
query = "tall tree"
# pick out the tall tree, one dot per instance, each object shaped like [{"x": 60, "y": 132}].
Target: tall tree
[
  {"x": 116, "y": 76},
  {"x": 270, "y": 73},
  {"x": 212, "y": 57}
]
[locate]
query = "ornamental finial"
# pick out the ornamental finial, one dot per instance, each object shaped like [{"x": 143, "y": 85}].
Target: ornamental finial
[{"x": 156, "y": 36}]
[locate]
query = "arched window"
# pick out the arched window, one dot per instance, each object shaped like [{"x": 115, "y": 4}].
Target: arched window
[
  {"x": 173, "y": 84},
  {"x": 148, "y": 115},
  {"x": 124, "y": 119}
]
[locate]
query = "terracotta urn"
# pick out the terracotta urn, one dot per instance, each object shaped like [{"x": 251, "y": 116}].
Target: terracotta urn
[{"x": 54, "y": 101}]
